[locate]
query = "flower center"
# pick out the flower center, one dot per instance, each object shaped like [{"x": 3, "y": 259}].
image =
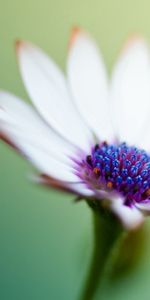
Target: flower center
[{"x": 119, "y": 167}]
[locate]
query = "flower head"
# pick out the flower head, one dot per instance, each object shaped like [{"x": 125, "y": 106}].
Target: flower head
[{"x": 86, "y": 135}]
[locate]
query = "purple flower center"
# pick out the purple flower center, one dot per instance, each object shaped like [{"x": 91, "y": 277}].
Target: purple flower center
[{"x": 122, "y": 168}]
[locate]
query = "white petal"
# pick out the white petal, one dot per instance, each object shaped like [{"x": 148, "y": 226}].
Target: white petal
[
  {"x": 144, "y": 207},
  {"x": 23, "y": 128},
  {"x": 77, "y": 188},
  {"x": 21, "y": 119},
  {"x": 88, "y": 82},
  {"x": 47, "y": 88},
  {"x": 130, "y": 217},
  {"x": 43, "y": 161},
  {"x": 144, "y": 141},
  {"x": 80, "y": 189},
  {"x": 130, "y": 91}
]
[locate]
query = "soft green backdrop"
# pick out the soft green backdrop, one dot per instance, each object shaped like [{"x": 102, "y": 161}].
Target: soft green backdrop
[{"x": 45, "y": 239}]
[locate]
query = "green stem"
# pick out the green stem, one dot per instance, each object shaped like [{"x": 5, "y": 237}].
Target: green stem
[{"x": 107, "y": 230}]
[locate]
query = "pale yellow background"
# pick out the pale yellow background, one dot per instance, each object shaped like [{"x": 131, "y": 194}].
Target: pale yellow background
[{"x": 45, "y": 239}]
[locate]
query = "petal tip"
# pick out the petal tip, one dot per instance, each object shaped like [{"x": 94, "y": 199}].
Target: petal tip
[
  {"x": 132, "y": 40},
  {"x": 74, "y": 34},
  {"x": 18, "y": 44}
]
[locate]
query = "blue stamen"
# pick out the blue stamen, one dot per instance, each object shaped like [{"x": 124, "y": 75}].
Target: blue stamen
[{"x": 120, "y": 167}]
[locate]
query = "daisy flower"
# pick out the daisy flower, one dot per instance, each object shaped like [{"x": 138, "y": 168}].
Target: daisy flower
[{"x": 85, "y": 134}]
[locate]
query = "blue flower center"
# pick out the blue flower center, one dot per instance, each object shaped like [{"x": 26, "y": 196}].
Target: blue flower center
[{"x": 122, "y": 168}]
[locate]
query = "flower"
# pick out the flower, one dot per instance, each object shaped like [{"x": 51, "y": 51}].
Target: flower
[{"x": 86, "y": 135}]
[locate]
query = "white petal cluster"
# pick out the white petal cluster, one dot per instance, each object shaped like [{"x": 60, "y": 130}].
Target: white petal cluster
[{"x": 70, "y": 113}]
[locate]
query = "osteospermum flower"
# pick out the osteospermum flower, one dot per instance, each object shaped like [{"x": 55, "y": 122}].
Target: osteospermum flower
[{"x": 86, "y": 135}]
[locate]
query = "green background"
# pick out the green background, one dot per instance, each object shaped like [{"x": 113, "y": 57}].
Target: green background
[{"x": 45, "y": 239}]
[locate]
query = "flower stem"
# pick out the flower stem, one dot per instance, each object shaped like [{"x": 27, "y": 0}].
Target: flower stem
[{"x": 107, "y": 231}]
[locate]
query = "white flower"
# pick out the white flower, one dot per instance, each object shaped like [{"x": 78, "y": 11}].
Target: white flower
[{"x": 72, "y": 115}]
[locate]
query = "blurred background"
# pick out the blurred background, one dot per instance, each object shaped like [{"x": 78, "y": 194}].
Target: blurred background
[{"x": 46, "y": 239}]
